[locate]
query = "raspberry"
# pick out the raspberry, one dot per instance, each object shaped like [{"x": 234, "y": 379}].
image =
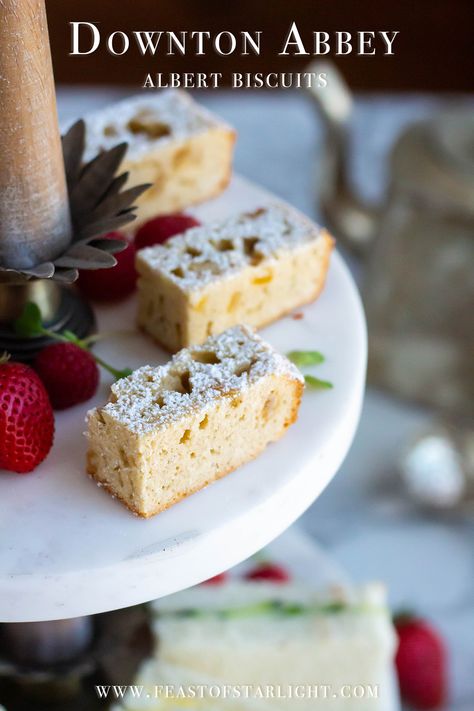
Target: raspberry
[
  {"x": 69, "y": 374},
  {"x": 114, "y": 283},
  {"x": 161, "y": 228},
  {"x": 216, "y": 579},
  {"x": 268, "y": 571}
]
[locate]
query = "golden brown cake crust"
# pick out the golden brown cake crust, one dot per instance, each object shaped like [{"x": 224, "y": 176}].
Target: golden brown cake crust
[
  {"x": 209, "y": 279},
  {"x": 169, "y": 431},
  {"x": 90, "y": 469},
  {"x": 182, "y": 150}
]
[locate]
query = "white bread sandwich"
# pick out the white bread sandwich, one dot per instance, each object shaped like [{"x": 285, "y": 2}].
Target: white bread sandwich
[{"x": 249, "y": 646}]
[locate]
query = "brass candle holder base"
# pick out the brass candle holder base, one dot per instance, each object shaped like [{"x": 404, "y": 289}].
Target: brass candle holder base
[
  {"x": 46, "y": 665},
  {"x": 62, "y": 308}
]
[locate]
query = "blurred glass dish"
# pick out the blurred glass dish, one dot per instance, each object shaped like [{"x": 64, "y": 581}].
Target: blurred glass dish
[
  {"x": 419, "y": 245},
  {"x": 437, "y": 468}
]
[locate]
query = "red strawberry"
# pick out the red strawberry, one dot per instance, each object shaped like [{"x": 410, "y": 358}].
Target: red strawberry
[
  {"x": 69, "y": 373},
  {"x": 161, "y": 228},
  {"x": 268, "y": 571},
  {"x": 114, "y": 283},
  {"x": 421, "y": 663},
  {"x": 26, "y": 419},
  {"x": 216, "y": 580}
]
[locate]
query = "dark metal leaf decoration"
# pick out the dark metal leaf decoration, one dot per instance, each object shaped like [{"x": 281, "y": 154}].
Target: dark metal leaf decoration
[
  {"x": 115, "y": 204},
  {"x": 116, "y": 185},
  {"x": 41, "y": 271},
  {"x": 73, "y": 142},
  {"x": 81, "y": 256},
  {"x": 94, "y": 180},
  {"x": 107, "y": 245},
  {"x": 98, "y": 205},
  {"x": 109, "y": 224},
  {"x": 66, "y": 276}
]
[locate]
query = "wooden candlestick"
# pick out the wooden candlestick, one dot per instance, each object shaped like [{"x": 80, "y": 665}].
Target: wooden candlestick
[{"x": 35, "y": 224}]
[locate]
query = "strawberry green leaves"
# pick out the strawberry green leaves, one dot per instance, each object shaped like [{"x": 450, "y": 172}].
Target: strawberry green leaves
[{"x": 30, "y": 325}]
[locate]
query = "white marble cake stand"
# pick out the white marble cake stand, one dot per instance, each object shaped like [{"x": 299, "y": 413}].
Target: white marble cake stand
[{"x": 68, "y": 549}]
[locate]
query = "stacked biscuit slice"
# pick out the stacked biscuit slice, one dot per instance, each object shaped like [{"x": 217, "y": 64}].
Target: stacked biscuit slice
[{"x": 168, "y": 431}]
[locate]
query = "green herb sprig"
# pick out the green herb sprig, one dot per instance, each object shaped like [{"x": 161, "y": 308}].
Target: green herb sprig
[
  {"x": 304, "y": 359},
  {"x": 30, "y": 325},
  {"x": 316, "y": 383}
]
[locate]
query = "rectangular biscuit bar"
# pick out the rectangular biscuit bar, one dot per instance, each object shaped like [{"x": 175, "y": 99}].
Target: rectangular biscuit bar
[
  {"x": 252, "y": 268},
  {"x": 170, "y": 430},
  {"x": 182, "y": 149}
]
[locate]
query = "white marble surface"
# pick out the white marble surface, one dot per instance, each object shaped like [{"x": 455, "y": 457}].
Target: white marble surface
[
  {"x": 72, "y": 550},
  {"x": 363, "y": 518}
]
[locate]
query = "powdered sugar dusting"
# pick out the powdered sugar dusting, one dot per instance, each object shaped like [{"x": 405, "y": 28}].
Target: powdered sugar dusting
[
  {"x": 209, "y": 253},
  {"x": 147, "y": 122},
  {"x": 154, "y": 397}
]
